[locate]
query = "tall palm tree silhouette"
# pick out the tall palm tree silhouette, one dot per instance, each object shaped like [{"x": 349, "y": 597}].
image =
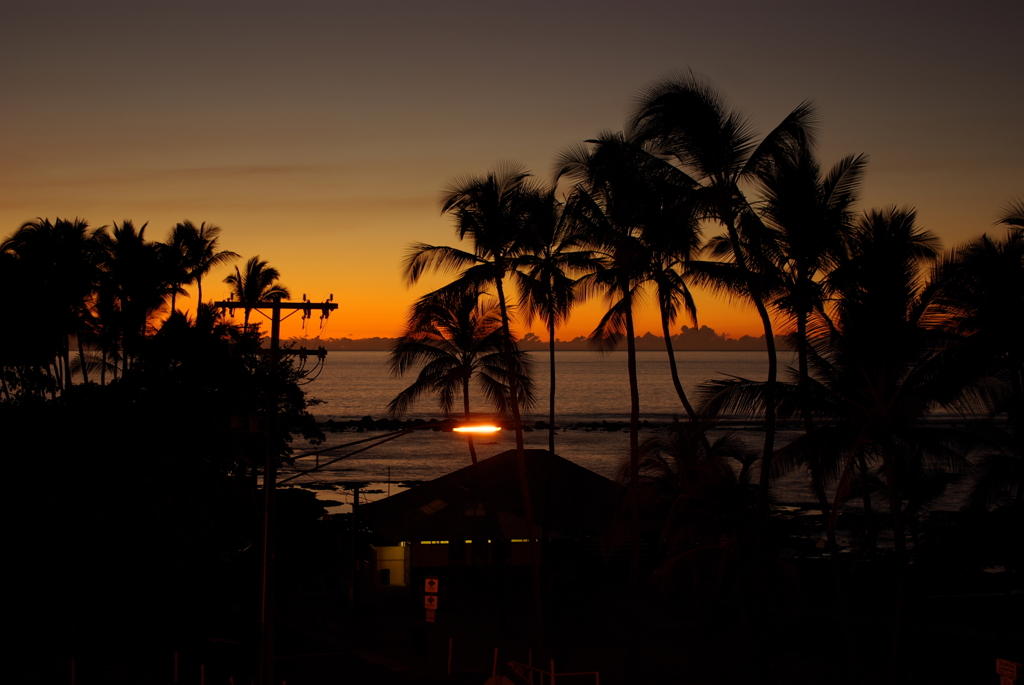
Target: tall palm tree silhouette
[
  {"x": 626, "y": 203},
  {"x": 883, "y": 370},
  {"x": 545, "y": 278},
  {"x": 979, "y": 292},
  {"x": 257, "y": 283},
  {"x": 492, "y": 212},
  {"x": 456, "y": 338},
  {"x": 606, "y": 204},
  {"x": 635, "y": 213},
  {"x": 193, "y": 252},
  {"x": 175, "y": 257},
  {"x": 137, "y": 283},
  {"x": 687, "y": 119},
  {"x": 59, "y": 263},
  {"x": 201, "y": 246},
  {"x": 809, "y": 217}
]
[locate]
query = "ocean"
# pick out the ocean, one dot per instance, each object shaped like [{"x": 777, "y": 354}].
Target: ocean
[{"x": 590, "y": 387}]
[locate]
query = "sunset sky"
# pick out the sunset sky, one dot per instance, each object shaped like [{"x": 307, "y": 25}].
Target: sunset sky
[{"x": 318, "y": 135}]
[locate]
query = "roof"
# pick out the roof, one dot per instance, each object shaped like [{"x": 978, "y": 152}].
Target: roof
[{"x": 484, "y": 502}]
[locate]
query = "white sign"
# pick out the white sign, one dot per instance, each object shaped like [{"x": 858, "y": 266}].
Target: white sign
[
  {"x": 431, "y": 584},
  {"x": 430, "y": 602}
]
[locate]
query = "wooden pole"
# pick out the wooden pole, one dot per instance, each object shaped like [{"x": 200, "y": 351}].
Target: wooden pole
[
  {"x": 265, "y": 662},
  {"x": 450, "y": 640},
  {"x": 353, "y": 591},
  {"x": 72, "y": 670},
  {"x": 175, "y": 667},
  {"x": 494, "y": 668}
]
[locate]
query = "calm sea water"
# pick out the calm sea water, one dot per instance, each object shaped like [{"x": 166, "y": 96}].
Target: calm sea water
[{"x": 591, "y": 386}]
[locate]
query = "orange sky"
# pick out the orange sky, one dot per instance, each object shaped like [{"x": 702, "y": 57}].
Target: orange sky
[{"x": 318, "y": 135}]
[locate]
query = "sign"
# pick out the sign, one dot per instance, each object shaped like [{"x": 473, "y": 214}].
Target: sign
[
  {"x": 430, "y": 587},
  {"x": 1007, "y": 669}
]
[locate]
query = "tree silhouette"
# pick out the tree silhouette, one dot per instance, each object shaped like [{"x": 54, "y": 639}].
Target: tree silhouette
[
  {"x": 639, "y": 214},
  {"x": 809, "y": 216},
  {"x": 687, "y": 119},
  {"x": 627, "y": 205},
  {"x": 136, "y": 285},
  {"x": 455, "y": 338},
  {"x": 880, "y": 374},
  {"x": 257, "y": 283},
  {"x": 545, "y": 278},
  {"x": 1013, "y": 214},
  {"x": 493, "y": 213},
  {"x": 56, "y": 263},
  {"x": 979, "y": 293},
  {"x": 200, "y": 244}
]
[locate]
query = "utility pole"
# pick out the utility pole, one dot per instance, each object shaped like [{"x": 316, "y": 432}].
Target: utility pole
[{"x": 265, "y": 658}]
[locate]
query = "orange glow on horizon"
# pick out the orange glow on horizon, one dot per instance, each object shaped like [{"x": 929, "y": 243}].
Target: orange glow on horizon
[{"x": 382, "y": 315}]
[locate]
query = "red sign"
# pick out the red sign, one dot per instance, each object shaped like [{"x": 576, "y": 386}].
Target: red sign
[
  {"x": 430, "y": 602},
  {"x": 431, "y": 585},
  {"x": 1007, "y": 669}
]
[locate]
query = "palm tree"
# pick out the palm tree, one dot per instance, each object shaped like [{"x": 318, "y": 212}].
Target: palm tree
[
  {"x": 625, "y": 202},
  {"x": 203, "y": 253},
  {"x": 137, "y": 283},
  {"x": 809, "y": 217},
  {"x": 979, "y": 295},
  {"x": 456, "y": 338},
  {"x": 175, "y": 257},
  {"x": 875, "y": 375},
  {"x": 1013, "y": 214},
  {"x": 606, "y": 206},
  {"x": 881, "y": 368},
  {"x": 547, "y": 288},
  {"x": 637, "y": 218},
  {"x": 659, "y": 203},
  {"x": 258, "y": 283},
  {"x": 493, "y": 213},
  {"x": 193, "y": 250},
  {"x": 717, "y": 148},
  {"x": 57, "y": 263}
]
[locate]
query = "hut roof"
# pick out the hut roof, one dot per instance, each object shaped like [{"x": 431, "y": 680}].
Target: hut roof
[{"x": 484, "y": 502}]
